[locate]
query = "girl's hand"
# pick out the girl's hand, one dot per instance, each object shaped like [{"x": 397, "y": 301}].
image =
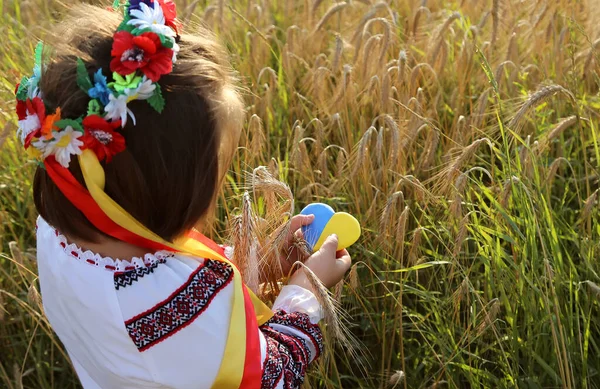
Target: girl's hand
[
  {"x": 291, "y": 252},
  {"x": 327, "y": 264}
]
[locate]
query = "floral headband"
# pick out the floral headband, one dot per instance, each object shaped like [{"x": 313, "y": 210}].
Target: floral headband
[{"x": 144, "y": 49}]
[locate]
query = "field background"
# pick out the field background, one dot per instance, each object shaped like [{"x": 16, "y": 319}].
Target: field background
[{"x": 462, "y": 133}]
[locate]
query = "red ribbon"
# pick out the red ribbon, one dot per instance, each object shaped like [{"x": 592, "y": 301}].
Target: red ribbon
[
  {"x": 82, "y": 200},
  {"x": 252, "y": 377}
]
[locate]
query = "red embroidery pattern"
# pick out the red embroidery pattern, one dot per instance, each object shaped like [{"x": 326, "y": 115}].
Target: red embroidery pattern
[
  {"x": 272, "y": 367},
  {"x": 181, "y": 308},
  {"x": 288, "y": 360},
  {"x": 301, "y": 322},
  {"x": 288, "y": 356}
]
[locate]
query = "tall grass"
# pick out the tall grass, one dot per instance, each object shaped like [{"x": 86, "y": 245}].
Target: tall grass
[{"x": 463, "y": 135}]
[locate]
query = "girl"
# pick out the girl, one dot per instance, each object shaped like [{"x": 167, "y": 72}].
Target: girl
[{"x": 134, "y": 126}]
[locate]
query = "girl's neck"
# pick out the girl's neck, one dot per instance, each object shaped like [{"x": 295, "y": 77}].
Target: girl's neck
[{"x": 111, "y": 248}]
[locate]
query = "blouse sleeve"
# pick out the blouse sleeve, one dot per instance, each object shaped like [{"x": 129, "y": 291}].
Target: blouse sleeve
[
  {"x": 177, "y": 314},
  {"x": 291, "y": 339}
]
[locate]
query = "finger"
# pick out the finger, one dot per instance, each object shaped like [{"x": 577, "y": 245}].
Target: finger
[
  {"x": 300, "y": 220},
  {"x": 343, "y": 263},
  {"x": 329, "y": 247},
  {"x": 341, "y": 253}
]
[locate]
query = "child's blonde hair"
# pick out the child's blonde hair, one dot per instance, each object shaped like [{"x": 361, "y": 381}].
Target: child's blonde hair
[{"x": 175, "y": 161}]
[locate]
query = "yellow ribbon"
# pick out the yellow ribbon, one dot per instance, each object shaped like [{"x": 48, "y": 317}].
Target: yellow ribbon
[{"x": 232, "y": 367}]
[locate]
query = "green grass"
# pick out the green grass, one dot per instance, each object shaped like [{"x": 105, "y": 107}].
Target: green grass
[{"x": 478, "y": 266}]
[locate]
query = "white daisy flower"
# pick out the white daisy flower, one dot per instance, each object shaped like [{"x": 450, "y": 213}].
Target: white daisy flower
[
  {"x": 65, "y": 144},
  {"x": 28, "y": 125},
  {"x": 117, "y": 109},
  {"x": 117, "y": 106},
  {"x": 143, "y": 91},
  {"x": 152, "y": 19}
]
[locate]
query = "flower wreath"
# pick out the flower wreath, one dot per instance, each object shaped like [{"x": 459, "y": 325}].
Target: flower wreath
[{"x": 144, "y": 49}]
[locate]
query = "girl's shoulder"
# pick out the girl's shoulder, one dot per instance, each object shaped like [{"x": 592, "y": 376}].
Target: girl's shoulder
[
  {"x": 51, "y": 240},
  {"x": 142, "y": 284},
  {"x": 165, "y": 304}
]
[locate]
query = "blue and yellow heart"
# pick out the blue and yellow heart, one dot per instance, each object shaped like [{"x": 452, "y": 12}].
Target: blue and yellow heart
[{"x": 328, "y": 222}]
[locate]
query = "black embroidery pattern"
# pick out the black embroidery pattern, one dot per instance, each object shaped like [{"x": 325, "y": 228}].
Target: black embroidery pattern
[
  {"x": 288, "y": 359},
  {"x": 273, "y": 366},
  {"x": 181, "y": 308},
  {"x": 126, "y": 278},
  {"x": 301, "y": 322}
]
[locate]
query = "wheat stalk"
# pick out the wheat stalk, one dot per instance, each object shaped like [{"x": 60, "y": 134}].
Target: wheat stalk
[
  {"x": 363, "y": 150},
  {"x": 560, "y": 127},
  {"x": 337, "y": 53},
  {"x": 418, "y": 72},
  {"x": 501, "y": 69},
  {"x": 461, "y": 292},
  {"x": 456, "y": 166},
  {"x": 16, "y": 253},
  {"x": 335, "y": 8},
  {"x": 401, "y": 232},
  {"x": 413, "y": 254},
  {"x": 417, "y": 18},
  {"x": 459, "y": 187},
  {"x": 536, "y": 99},
  {"x": 552, "y": 171},
  {"x": 588, "y": 206},
  {"x": 370, "y": 46},
  {"x": 490, "y": 314},
  {"x": 438, "y": 37},
  {"x": 386, "y": 36},
  {"x": 460, "y": 236},
  {"x": 394, "y": 200},
  {"x": 480, "y": 109},
  {"x": 34, "y": 298}
]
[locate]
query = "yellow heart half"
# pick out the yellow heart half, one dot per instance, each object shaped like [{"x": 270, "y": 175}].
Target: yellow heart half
[{"x": 345, "y": 226}]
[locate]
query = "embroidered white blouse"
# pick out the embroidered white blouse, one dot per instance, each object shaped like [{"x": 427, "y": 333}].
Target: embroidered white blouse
[{"x": 161, "y": 321}]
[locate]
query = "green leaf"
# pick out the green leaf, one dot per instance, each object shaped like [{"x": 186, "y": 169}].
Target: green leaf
[
  {"x": 130, "y": 81},
  {"x": 139, "y": 31},
  {"x": 166, "y": 41},
  {"x": 83, "y": 78},
  {"x": 64, "y": 123},
  {"x": 157, "y": 101},
  {"x": 420, "y": 266},
  {"x": 22, "y": 91},
  {"x": 39, "y": 49},
  {"x": 94, "y": 107},
  {"x": 116, "y": 5}
]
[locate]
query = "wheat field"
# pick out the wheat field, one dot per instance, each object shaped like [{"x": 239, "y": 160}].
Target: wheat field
[{"x": 463, "y": 134}]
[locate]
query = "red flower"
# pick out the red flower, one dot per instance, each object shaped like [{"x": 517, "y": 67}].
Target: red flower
[
  {"x": 144, "y": 52},
  {"x": 170, "y": 11},
  {"x": 100, "y": 137},
  {"x": 21, "y": 109},
  {"x": 31, "y": 107},
  {"x": 21, "y": 106}
]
